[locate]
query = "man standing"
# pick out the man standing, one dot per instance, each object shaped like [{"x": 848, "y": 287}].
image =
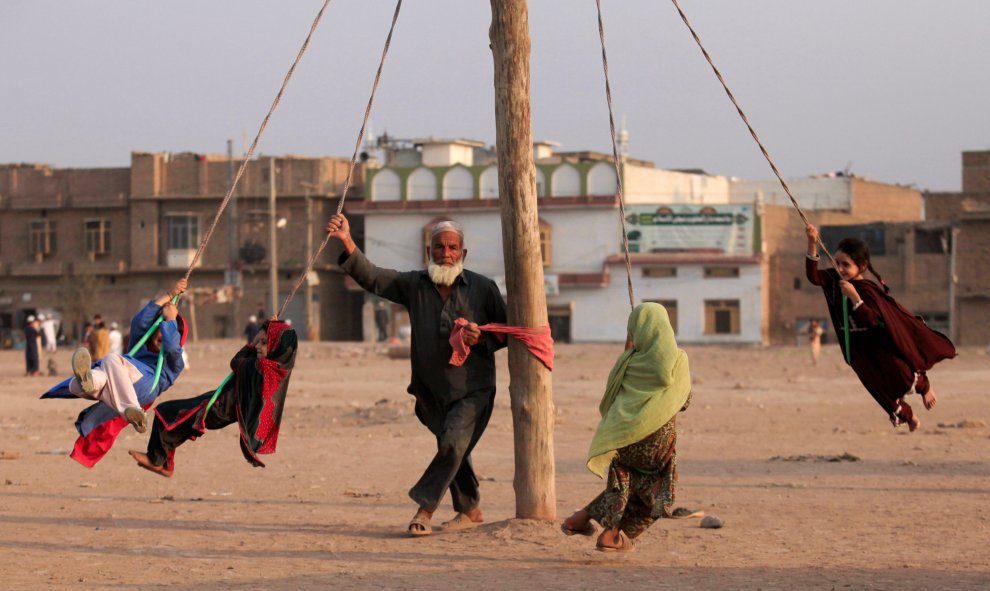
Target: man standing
[
  {"x": 454, "y": 403},
  {"x": 49, "y": 329},
  {"x": 251, "y": 329},
  {"x": 99, "y": 339},
  {"x": 32, "y": 345},
  {"x": 116, "y": 339},
  {"x": 381, "y": 321}
]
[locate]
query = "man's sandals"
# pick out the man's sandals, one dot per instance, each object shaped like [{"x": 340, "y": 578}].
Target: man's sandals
[
  {"x": 459, "y": 522},
  {"x": 420, "y": 525}
]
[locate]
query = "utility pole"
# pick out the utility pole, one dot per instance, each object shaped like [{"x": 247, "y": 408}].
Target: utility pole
[
  {"x": 234, "y": 278},
  {"x": 272, "y": 242},
  {"x": 311, "y": 331},
  {"x": 530, "y": 384}
]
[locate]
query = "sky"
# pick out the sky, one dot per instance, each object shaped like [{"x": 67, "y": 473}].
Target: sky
[{"x": 891, "y": 90}]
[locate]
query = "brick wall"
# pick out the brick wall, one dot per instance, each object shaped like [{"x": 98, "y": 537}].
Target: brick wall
[{"x": 976, "y": 172}]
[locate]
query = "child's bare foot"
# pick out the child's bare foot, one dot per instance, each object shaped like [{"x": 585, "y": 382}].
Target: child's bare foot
[
  {"x": 913, "y": 424},
  {"x": 929, "y": 399}
]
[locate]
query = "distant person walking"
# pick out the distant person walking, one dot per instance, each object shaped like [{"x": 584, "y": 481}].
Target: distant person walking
[
  {"x": 116, "y": 339},
  {"x": 381, "y": 321},
  {"x": 49, "y": 329},
  {"x": 251, "y": 329},
  {"x": 99, "y": 339},
  {"x": 815, "y": 332},
  {"x": 32, "y": 346}
]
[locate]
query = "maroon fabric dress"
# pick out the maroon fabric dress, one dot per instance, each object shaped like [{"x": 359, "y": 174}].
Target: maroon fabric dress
[{"x": 890, "y": 349}]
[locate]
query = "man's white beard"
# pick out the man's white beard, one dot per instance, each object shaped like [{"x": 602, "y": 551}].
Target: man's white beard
[{"x": 444, "y": 274}]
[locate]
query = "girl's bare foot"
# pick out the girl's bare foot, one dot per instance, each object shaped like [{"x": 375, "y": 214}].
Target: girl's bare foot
[
  {"x": 929, "y": 399},
  {"x": 578, "y": 523},
  {"x": 913, "y": 424},
  {"x": 614, "y": 540}
]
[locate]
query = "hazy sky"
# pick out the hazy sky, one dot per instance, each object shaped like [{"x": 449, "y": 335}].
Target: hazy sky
[{"x": 893, "y": 90}]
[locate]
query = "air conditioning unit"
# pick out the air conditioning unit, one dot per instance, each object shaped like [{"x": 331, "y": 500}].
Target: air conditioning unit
[{"x": 179, "y": 258}]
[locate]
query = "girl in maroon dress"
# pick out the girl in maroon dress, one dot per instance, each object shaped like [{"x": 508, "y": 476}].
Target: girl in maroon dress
[{"x": 889, "y": 348}]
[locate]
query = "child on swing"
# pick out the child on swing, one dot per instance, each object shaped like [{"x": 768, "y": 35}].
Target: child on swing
[
  {"x": 123, "y": 385},
  {"x": 253, "y": 397},
  {"x": 889, "y": 348}
]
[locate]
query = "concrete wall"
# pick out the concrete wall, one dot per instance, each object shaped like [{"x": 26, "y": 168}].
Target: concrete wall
[
  {"x": 811, "y": 193},
  {"x": 643, "y": 184}
]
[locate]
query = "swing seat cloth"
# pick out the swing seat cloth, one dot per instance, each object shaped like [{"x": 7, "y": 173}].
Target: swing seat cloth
[
  {"x": 648, "y": 385},
  {"x": 537, "y": 340}
]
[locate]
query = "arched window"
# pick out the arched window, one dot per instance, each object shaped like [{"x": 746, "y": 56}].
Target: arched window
[
  {"x": 566, "y": 182},
  {"x": 541, "y": 183},
  {"x": 458, "y": 184},
  {"x": 601, "y": 180},
  {"x": 422, "y": 185},
  {"x": 489, "y": 183},
  {"x": 385, "y": 186}
]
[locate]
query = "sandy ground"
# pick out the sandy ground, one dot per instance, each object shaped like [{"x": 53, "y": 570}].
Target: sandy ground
[{"x": 330, "y": 509}]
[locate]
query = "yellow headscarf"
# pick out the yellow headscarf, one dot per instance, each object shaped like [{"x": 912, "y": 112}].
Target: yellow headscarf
[{"x": 648, "y": 385}]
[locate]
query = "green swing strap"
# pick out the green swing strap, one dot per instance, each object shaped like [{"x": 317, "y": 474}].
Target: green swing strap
[
  {"x": 161, "y": 352},
  {"x": 845, "y": 328},
  {"x": 216, "y": 394}
]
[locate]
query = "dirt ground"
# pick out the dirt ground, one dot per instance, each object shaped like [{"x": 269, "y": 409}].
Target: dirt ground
[{"x": 901, "y": 511}]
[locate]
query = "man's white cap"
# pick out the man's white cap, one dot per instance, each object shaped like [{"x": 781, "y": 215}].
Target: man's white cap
[
  {"x": 447, "y": 226},
  {"x": 41, "y": 316},
  {"x": 30, "y": 318}
]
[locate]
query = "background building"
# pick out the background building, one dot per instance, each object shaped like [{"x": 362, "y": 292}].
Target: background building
[
  {"x": 725, "y": 256},
  {"x": 686, "y": 239},
  {"x": 968, "y": 214},
  {"x": 105, "y": 240}
]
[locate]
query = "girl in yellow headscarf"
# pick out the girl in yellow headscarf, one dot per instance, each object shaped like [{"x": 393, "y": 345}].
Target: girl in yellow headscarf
[{"x": 633, "y": 448}]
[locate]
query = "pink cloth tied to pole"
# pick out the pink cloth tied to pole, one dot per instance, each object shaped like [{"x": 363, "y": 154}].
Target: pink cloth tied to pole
[{"x": 537, "y": 340}]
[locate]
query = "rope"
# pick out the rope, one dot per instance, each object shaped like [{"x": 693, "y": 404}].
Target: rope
[
  {"x": 257, "y": 138},
  {"x": 615, "y": 159},
  {"x": 350, "y": 170},
  {"x": 845, "y": 328},
  {"x": 752, "y": 132}
]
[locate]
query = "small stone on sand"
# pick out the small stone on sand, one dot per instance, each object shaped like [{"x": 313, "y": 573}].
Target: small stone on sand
[{"x": 711, "y": 522}]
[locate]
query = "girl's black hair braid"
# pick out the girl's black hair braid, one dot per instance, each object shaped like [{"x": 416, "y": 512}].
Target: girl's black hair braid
[{"x": 883, "y": 284}]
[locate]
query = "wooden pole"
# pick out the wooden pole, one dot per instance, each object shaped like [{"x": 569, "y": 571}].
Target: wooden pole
[
  {"x": 272, "y": 238},
  {"x": 530, "y": 385}
]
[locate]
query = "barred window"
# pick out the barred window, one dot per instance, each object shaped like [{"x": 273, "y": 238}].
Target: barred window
[
  {"x": 41, "y": 237},
  {"x": 671, "y": 306},
  {"x": 97, "y": 232},
  {"x": 183, "y": 231},
  {"x": 546, "y": 243},
  {"x": 721, "y": 272},
  {"x": 721, "y": 316}
]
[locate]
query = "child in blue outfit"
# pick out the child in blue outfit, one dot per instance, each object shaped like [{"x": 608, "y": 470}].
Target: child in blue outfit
[{"x": 125, "y": 385}]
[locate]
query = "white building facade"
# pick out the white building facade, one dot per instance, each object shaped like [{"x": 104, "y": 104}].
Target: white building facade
[{"x": 690, "y": 248}]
